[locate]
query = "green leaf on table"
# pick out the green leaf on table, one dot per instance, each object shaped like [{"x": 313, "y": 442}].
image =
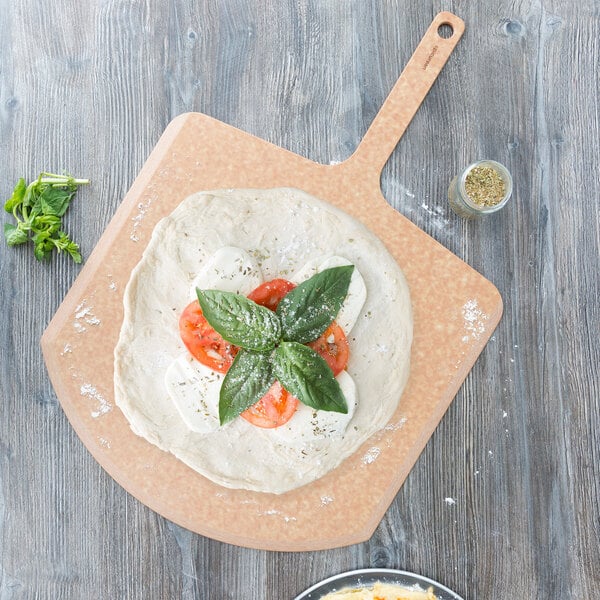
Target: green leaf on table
[
  {"x": 43, "y": 250},
  {"x": 14, "y": 235},
  {"x": 55, "y": 200},
  {"x": 308, "y": 309},
  {"x": 72, "y": 249},
  {"x": 17, "y": 196},
  {"x": 306, "y": 375}
]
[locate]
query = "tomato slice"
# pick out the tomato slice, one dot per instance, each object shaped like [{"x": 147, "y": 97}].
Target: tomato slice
[
  {"x": 274, "y": 409},
  {"x": 270, "y": 293},
  {"x": 333, "y": 347},
  {"x": 203, "y": 342}
]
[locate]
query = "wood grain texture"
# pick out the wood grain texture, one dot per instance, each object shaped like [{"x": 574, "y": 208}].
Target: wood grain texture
[{"x": 504, "y": 500}]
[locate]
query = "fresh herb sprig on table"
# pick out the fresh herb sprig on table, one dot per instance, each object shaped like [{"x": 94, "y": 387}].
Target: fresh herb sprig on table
[
  {"x": 38, "y": 209},
  {"x": 272, "y": 343}
]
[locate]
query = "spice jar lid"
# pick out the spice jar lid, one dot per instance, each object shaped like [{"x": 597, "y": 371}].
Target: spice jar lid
[{"x": 493, "y": 179}]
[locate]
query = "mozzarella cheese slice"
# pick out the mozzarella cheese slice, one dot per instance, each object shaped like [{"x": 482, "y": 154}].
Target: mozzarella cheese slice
[
  {"x": 194, "y": 390},
  {"x": 357, "y": 291},
  {"x": 229, "y": 269}
]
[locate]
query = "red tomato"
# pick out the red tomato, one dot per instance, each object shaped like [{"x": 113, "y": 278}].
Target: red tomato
[
  {"x": 275, "y": 408},
  {"x": 333, "y": 347},
  {"x": 270, "y": 293},
  {"x": 203, "y": 342}
]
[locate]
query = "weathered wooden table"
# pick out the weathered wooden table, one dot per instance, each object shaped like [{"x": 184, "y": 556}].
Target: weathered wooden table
[{"x": 503, "y": 502}]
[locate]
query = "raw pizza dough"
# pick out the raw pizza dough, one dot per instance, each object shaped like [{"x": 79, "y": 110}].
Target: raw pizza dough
[{"x": 283, "y": 229}]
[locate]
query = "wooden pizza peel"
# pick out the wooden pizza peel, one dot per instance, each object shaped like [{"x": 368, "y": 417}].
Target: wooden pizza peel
[{"x": 455, "y": 312}]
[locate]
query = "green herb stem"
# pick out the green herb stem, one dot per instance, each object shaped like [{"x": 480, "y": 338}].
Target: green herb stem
[{"x": 57, "y": 180}]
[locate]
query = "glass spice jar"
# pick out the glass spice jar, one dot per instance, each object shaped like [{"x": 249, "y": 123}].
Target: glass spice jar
[{"x": 484, "y": 187}]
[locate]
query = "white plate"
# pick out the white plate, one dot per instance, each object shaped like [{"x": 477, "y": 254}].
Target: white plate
[{"x": 367, "y": 577}]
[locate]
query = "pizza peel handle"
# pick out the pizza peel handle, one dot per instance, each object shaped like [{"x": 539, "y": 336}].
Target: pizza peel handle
[{"x": 410, "y": 90}]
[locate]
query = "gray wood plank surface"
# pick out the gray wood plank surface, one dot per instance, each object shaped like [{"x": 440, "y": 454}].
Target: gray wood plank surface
[{"x": 504, "y": 501}]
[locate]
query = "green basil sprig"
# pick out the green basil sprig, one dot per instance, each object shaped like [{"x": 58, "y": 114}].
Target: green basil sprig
[
  {"x": 272, "y": 343},
  {"x": 38, "y": 209}
]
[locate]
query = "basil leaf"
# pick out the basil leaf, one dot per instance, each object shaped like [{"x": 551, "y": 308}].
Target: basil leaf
[
  {"x": 308, "y": 309},
  {"x": 304, "y": 374},
  {"x": 247, "y": 381},
  {"x": 17, "y": 196},
  {"x": 239, "y": 320},
  {"x": 33, "y": 201},
  {"x": 73, "y": 251},
  {"x": 55, "y": 200},
  {"x": 43, "y": 250},
  {"x": 14, "y": 235}
]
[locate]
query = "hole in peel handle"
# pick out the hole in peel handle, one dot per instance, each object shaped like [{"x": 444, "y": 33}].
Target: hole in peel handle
[{"x": 408, "y": 93}]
